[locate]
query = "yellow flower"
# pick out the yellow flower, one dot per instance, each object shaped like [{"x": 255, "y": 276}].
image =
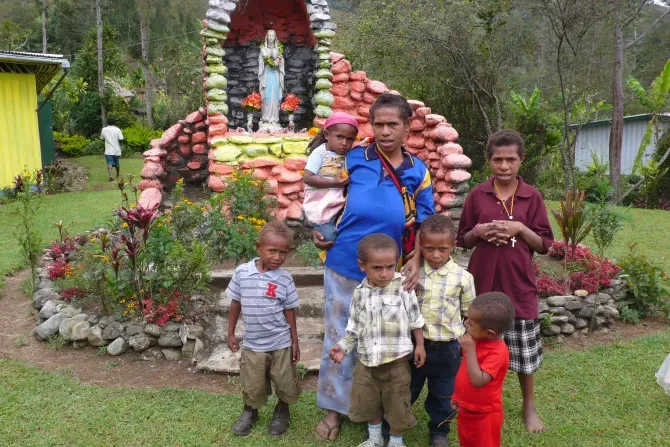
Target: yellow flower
[
  {"x": 105, "y": 258},
  {"x": 124, "y": 225},
  {"x": 203, "y": 209},
  {"x": 180, "y": 181},
  {"x": 240, "y": 217},
  {"x": 132, "y": 207},
  {"x": 177, "y": 207},
  {"x": 123, "y": 301},
  {"x": 125, "y": 312}
]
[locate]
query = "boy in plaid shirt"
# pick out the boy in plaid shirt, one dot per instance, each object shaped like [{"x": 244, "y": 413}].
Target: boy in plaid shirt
[
  {"x": 445, "y": 291},
  {"x": 382, "y": 319}
]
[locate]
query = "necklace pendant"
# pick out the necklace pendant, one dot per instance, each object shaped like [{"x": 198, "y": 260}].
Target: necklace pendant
[{"x": 511, "y": 217}]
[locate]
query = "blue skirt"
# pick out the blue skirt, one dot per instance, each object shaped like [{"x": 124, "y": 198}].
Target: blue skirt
[{"x": 335, "y": 380}]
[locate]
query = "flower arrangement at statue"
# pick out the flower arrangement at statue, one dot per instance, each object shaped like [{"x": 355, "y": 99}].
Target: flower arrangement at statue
[
  {"x": 313, "y": 131},
  {"x": 252, "y": 103},
  {"x": 290, "y": 104},
  {"x": 275, "y": 61}
]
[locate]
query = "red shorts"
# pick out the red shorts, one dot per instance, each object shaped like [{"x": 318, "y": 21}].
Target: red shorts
[{"x": 479, "y": 429}]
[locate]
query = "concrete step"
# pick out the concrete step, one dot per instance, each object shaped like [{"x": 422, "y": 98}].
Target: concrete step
[
  {"x": 311, "y": 302},
  {"x": 302, "y": 276},
  {"x": 310, "y": 336}
]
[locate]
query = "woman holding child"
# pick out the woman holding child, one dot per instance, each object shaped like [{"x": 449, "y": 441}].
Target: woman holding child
[
  {"x": 376, "y": 203},
  {"x": 505, "y": 220}
]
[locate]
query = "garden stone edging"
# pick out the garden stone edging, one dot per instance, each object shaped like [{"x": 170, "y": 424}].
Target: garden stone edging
[{"x": 581, "y": 312}]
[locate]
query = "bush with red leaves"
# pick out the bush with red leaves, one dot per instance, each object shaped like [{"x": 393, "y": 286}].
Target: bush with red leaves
[
  {"x": 72, "y": 293},
  {"x": 59, "y": 269}
]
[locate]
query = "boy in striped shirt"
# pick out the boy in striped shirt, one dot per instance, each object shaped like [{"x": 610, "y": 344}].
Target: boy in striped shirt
[{"x": 266, "y": 297}]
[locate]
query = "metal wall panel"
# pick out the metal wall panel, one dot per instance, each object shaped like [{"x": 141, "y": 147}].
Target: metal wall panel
[
  {"x": 596, "y": 139},
  {"x": 19, "y": 131}
]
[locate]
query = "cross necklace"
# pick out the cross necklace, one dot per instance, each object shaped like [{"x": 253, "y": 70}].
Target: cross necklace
[{"x": 511, "y": 207}]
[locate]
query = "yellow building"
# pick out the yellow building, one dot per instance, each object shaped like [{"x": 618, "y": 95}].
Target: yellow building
[{"x": 22, "y": 78}]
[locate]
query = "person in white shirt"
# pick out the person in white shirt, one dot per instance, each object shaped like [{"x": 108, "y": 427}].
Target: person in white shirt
[{"x": 112, "y": 136}]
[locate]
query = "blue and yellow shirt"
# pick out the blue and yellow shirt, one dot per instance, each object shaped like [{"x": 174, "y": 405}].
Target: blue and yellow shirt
[{"x": 374, "y": 205}]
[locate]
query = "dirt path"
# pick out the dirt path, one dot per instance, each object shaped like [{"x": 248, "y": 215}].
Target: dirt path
[{"x": 17, "y": 320}]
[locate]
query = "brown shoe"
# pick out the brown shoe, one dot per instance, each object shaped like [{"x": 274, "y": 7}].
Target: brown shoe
[
  {"x": 281, "y": 419},
  {"x": 246, "y": 421}
]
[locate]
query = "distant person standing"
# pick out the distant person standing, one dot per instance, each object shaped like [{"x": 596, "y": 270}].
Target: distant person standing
[{"x": 112, "y": 136}]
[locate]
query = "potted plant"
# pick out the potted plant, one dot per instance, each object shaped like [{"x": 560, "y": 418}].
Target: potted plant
[
  {"x": 290, "y": 104},
  {"x": 252, "y": 103}
]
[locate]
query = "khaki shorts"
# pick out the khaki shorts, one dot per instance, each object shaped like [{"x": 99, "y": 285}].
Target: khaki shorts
[
  {"x": 382, "y": 390},
  {"x": 258, "y": 369}
]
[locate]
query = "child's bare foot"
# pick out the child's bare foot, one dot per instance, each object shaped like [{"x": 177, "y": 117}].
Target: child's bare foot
[
  {"x": 533, "y": 422},
  {"x": 329, "y": 428}
]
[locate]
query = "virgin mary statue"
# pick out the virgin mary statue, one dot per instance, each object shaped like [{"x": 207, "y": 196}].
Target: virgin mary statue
[{"x": 271, "y": 76}]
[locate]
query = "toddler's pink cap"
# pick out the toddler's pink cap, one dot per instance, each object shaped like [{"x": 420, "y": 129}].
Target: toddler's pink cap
[{"x": 341, "y": 118}]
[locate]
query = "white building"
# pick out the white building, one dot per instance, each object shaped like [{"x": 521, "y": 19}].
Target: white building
[{"x": 594, "y": 138}]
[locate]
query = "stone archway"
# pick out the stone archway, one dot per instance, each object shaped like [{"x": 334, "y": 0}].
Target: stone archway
[{"x": 232, "y": 30}]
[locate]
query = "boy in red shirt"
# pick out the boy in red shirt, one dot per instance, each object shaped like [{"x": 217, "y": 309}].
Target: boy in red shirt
[{"x": 480, "y": 378}]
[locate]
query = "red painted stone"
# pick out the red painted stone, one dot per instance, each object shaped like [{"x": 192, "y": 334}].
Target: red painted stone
[
  {"x": 416, "y": 126},
  {"x": 150, "y": 183},
  {"x": 187, "y": 130},
  {"x": 197, "y": 162},
  {"x": 320, "y": 122},
  {"x": 430, "y": 145},
  {"x": 287, "y": 176},
  {"x": 432, "y": 156},
  {"x": 150, "y": 198},
  {"x": 364, "y": 111},
  {"x": 341, "y": 89},
  {"x": 434, "y": 165},
  {"x": 290, "y": 188},
  {"x": 439, "y": 175},
  {"x": 273, "y": 185},
  {"x": 358, "y": 75},
  {"x": 376, "y": 87},
  {"x": 358, "y": 86},
  {"x": 170, "y": 135},
  {"x": 217, "y": 119},
  {"x": 295, "y": 210},
  {"x": 457, "y": 176},
  {"x": 450, "y": 148},
  {"x": 199, "y": 149},
  {"x": 342, "y": 66},
  {"x": 336, "y": 57},
  {"x": 423, "y": 111},
  {"x": 344, "y": 102},
  {"x": 283, "y": 201},
  {"x": 194, "y": 117},
  {"x": 293, "y": 196},
  {"x": 201, "y": 125},
  {"x": 340, "y": 77},
  {"x": 444, "y": 132},
  {"x": 185, "y": 151},
  {"x": 295, "y": 164},
  {"x": 260, "y": 163},
  {"x": 199, "y": 137},
  {"x": 361, "y": 119},
  {"x": 152, "y": 170},
  {"x": 216, "y": 130},
  {"x": 216, "y": 183},
  {"x": 356, "y": 96},
  {"x": 456, "y": 161},
  {"x": 415, "y": 104},
  {"x": 174, "y": 159},
  {"x": 369, "y": 98},
  {"x": 262, "y": 173},
  {"x": 433, "y": 120},
  {"x": 280, "y": 214},
  {"x": 220, "y": 168},
  {"x": 441, "y": 187},
  {"x": 416, "y": 142},
  {"x": 154, "y": 153}
]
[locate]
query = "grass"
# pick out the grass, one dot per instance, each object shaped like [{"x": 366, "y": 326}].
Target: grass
[
  {"x": 648, "y": 229},
  {"x": 590, "y": 398},
  {"x": 80, "y": 211},
  {"x": 98, "y": 178}
]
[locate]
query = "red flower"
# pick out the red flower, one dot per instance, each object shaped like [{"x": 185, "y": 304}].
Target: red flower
[
  {"x": 252, "y": 102},
  {"x": 291, "y": 103}
]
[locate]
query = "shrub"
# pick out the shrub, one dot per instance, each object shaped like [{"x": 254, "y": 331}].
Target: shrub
[
  {"x": 138, "y": 137},
  {"x": 309, "y": 254},
  {"x": 95, "y": 147},
  {"x": 648, "y": 285},
  {"x": 71, "y": 145}
]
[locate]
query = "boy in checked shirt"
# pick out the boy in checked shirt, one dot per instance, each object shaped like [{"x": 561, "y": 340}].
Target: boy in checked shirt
[
  {"x": 445, "y": 291},
  {"x": 382, "y": 319}
]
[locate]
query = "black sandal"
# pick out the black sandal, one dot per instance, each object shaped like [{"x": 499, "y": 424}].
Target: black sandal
[{"x": 330, "y": 431}]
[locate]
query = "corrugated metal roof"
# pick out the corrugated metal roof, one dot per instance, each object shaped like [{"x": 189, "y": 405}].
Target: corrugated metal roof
[
  {"x": 607, "y": 122},
  {"x": 43, "y": 66}
]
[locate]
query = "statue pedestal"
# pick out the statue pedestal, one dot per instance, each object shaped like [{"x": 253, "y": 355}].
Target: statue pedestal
[{"x": 267, "y": 126}]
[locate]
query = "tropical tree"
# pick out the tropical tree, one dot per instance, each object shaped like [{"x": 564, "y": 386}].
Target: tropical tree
[{"x": 656, "y": 99}]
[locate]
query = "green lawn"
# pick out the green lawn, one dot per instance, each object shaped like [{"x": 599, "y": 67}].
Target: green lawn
[
  {"x": 97, "y": 170},
  {"x": 605, "y": 396},
  {"x": 648, "y": 228},
  {"x": 80, "y": 211}
]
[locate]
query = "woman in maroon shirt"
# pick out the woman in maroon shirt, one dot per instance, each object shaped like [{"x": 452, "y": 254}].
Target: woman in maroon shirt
[{"x": 506, "y": 221}]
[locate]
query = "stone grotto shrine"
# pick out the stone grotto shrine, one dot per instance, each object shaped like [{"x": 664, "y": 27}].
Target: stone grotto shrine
[{"x": 211, "y": 143}]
